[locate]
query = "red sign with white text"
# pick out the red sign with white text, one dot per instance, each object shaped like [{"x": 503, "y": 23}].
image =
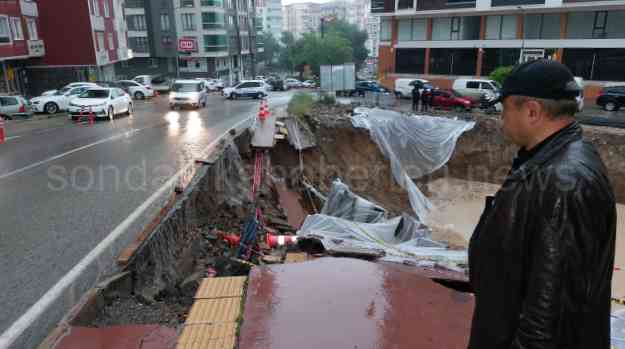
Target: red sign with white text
[{"x": 187, "y": 45}]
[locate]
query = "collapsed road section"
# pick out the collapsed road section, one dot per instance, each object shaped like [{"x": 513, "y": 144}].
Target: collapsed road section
[{"x": 330, "y": 231}]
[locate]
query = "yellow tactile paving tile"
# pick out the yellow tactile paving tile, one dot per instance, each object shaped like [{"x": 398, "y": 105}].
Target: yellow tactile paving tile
[
  {"x": 221, "y": 287},
  {"x": 207, "y": 336},
  {"x": 296, "y": 257},
  {"x": 206, "y": 311},
  {"x": 221, "y": 343}
]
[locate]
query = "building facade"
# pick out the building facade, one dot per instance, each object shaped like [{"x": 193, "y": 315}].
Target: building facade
[
  {"x": 19, "y": 43},
  {"x": 301, "y": 18},
  {"x": 83, "y": 46},
  {"x": 446, "y": 39},
  {"x": 151, "y": 37},
  {"x": 219, "y": 37},
  {"x": 269, "y": 16},
  {"x": 373, "y": 35}
]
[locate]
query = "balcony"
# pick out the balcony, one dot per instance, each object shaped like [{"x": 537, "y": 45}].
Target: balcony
[
  {"x": 102, "y": 57},
  {"x": 36, "y": 48},
  {"x": 97, "y": 23},
  {"x": 135, "y": 4},
  {"x": 29, "y": 8}
]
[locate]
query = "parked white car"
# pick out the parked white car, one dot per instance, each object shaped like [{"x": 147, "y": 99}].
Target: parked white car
[
  {"x": 188, "y": 92},
  {"x": 70, "y": 85},
  {"x": 102, "y": 102},
  {"x": 136, "y": 90},
  {"x": 156, "y": 82},
  {"x": 58, "y": 101},
  {"x": 403, "y": 87},
  {"x": 246, "y": 88},
  {"x": 292, "y": 83},
  {"x": 475, "y": 88},
  {"x": 14, "y": 106},
  {"x": 309, "y": 84}
]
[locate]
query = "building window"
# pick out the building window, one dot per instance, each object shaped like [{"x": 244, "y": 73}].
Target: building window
[
  {"x": 33, "y": 34},
  {"x": 136, "y": 22},
  {"x": 212, "y": 20},
  {"x": 154, "y": 62},
  {"x": 385, "y": 30},
  {"x": 501, "y": 27},
  {"x": 187, "y": 3},
  {"x": 542, "y": 26},
  {"x": 5, "y": 32},
  {"x": 596, "y": 25},
  {"x": 135, "y": 4},
  {"x": 94, "y": 7},
  {"x": 214, "y": 43},
  {"x": 183, "y": 63},
  {"x": 111, "y": 41},
  {"x": 405, "y": 4},
  {"x": 124, "y": 64},
  {"x": 106, "y": 8},
  {"x": 411, "y": 29},
  {"x": 214, "y": 3},
  {"x": 100, "y": 40},
  {"x": 16, "y": 27},
  {"x": 165, "y": 25},
  {"x": 138, "y": 44},
  {"x": 167, "y": 41},
  {"x": 188, "y": 21}
]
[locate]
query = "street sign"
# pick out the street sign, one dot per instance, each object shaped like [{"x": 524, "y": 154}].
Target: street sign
[{"x": 187, "y": 45}]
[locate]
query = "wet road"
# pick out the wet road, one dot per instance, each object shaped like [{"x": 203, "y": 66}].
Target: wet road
[{"x": 65, "y": 188}]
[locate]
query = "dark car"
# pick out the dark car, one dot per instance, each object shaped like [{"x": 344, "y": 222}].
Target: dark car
[
  {"x": 277, "y": 84},
  {"x": 612, "y": 98},
  {"x": 362, "y": 87},
  {"x": 449, "y": 99}
]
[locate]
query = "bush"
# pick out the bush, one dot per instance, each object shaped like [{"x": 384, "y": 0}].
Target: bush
[
  {"x": 500, "y": 74},
  {"x": 300, "y": 104}
]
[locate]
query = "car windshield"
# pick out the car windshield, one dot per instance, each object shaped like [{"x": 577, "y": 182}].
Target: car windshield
[
  {"x": 187, "y": 87},
  {"x": 95, "y": 94},
  {"x": 62, "y": 91}
]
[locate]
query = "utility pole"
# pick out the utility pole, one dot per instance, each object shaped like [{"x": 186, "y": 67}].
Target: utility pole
[{"x": 521, "y": 56}]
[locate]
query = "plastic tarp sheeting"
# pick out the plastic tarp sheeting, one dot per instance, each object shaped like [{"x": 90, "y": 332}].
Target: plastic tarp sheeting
[
  {"x": 416, "y": 145},
  {"x": 617, "y": 321},
  {"x": 349, "y": 221},
  {"x": 344, "y": 204}
]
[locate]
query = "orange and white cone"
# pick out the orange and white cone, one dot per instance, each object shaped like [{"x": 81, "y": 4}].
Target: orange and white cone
[
  {"x": 274, "y": 241},
  {"x": 2, "y": 136}
]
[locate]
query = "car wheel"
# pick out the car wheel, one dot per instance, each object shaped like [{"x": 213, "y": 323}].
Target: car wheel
[
  {"x": 235, "y": 96},
  {"x": 610, "y": 106},
  {"x": 259, "y": 95},
  {"x": 111, "y": 113},
  {"x": 51, "y": 108},
  {"x": 139, "y": 95}
]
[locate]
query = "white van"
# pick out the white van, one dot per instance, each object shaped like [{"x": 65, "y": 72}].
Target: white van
[
  {"x": 403, "y": 87},
  {"x": 475, "y": 87}
]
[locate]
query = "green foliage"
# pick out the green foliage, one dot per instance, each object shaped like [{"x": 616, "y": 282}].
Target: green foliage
[
  {"x": 327, "y": 99},
  {"x": 356, "y": 37},
  {"x": 500, "y": 74},
  {"x": 300, "y": 104},
  {"x": 271, "y": 49}
]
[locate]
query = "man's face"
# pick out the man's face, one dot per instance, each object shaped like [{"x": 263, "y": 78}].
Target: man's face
[{"x": 516, "y": 121}]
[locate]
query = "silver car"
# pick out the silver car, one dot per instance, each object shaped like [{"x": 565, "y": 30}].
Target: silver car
[{"x": 14, "y": 106}]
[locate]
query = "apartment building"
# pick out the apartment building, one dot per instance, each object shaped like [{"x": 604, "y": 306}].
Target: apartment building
[
  {"x": 84, "y": 39},
  {"x": 216, "y": 38},
  {"x": 373, "y": 37},
  {"x": 269, "y": 17},
  {"x": 19, "y": 43},
  {"x": 445, "y": 39},
  {"x": 151, "y": 37},
  {"x": 300, "y": 18}
]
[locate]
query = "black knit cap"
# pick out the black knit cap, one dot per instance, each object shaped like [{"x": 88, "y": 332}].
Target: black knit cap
[{"x": 542, "y": 78}]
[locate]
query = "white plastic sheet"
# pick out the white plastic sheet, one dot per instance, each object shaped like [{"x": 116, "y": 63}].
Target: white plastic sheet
[
  {"x": 344, "y": 204},
  {"x": 617, "y": 321},
  {"x": 416, "y": 145}
]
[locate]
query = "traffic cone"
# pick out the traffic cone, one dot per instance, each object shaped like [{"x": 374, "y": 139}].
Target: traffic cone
[
  {"x": 261, "y": 115},
  {"x": 91, "y": 117},
  {"x": 232, "y": 240},
  {"x": 280, "y": 240},
  {"x": 1, "y": 130}
]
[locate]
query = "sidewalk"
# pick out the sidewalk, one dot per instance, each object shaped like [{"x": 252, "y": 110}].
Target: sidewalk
[{"x": 14, "y": 128}]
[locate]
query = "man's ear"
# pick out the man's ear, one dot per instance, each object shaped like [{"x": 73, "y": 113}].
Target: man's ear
[{"x": 534, "y": 111}]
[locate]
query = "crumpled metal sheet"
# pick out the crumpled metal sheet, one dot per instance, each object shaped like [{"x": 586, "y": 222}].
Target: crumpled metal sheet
[{"x": 299, "y": 137}]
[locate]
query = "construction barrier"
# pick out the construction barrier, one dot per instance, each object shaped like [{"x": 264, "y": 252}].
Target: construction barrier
[{"x": 384, "y": 100}]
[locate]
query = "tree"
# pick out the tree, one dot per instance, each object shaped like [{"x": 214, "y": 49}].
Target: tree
[
  {"x": 287, "y": 52},
  {"x": 315, "y": 51},
  {"x": 500, "y": 74},
  {"x": 356, "y": 37},
  {"x": 271, "y": 50}
]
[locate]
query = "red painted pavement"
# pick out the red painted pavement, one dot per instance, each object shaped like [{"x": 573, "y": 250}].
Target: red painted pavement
[
  {"x": 350, "y": 303},
  {"x": 119, "y": 337}
]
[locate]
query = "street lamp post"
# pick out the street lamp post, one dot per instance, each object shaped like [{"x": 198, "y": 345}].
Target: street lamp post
[{"x": 522, "y": 34}]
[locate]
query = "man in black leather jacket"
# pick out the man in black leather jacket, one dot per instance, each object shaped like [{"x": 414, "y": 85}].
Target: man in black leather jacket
[{"x": 542, "y": 254}]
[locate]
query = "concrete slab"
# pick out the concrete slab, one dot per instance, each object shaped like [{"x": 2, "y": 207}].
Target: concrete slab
[
  {"x": 119, "y": 337},
  {"x": 221, "y": 287},
  {"x": 264, "y": 132},
  {"x": 208, "y": 336},
  {"x": 350, "y": 303}
]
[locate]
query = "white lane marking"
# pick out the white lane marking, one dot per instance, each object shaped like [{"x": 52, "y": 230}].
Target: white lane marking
[
  {"x": 56, "y": 157},
  {"x": 13, "y": 137},
  {"x": 37, "y": 309}
]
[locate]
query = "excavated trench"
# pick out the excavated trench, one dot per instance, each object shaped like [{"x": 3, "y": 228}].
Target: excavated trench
[{"x": 160, "y": 280}]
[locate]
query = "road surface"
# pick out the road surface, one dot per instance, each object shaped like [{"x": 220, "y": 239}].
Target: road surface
[{"x": 65, "y": 187}]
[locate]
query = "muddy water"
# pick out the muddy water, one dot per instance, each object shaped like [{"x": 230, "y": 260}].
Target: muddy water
[
  {"x": 350, "y": 303},
  {"x": 459, "y": 204}
]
